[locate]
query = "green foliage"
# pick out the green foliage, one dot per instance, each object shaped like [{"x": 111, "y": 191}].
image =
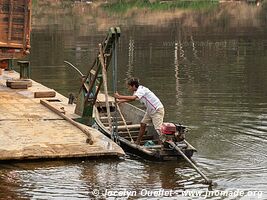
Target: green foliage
[
  {"x": 34, "y": 2},
  {"x": 123, "y": 6}
]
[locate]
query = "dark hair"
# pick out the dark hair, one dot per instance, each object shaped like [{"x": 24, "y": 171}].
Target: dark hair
[{"x": 133, "y": 82}]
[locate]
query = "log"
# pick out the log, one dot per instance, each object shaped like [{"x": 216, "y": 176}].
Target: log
[
  {"x": 79, "y": 126},
  {"x": 44, "y": 94}
]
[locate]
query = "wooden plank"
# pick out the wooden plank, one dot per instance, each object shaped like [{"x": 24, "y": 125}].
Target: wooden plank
[
  {"x": 44, "y": 94},
  {"x": 125, "y": 133},
  {"x": 41, "y": 139},
  {"x": 19, "y": 83},
  {"x": 119, "y": 123},
  {"x": 105, "y": 119},
  {"x": 131, "y": 126}
]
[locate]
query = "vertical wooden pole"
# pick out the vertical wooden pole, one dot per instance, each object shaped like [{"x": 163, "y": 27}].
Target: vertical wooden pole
[
  {"x": 24, "y": 69},
  {"x": 10, "y": 20},
  {"x": 104, "y": 74},
  {"x": 26, "y": 20}
]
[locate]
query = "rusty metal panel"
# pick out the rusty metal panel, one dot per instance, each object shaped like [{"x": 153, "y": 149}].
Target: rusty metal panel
[{"x": 15, "y": 27}]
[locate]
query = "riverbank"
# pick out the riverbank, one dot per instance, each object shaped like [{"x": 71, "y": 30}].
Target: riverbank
[
  {"x": 100, "y": 15},
  {"x": 132, "y": 5}
]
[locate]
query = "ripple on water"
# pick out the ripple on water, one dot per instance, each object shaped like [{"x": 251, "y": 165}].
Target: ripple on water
[{"x": 53, "y": 182}]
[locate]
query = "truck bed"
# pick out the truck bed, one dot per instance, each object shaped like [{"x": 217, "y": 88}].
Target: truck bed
[{"x": 15, "y": 26}]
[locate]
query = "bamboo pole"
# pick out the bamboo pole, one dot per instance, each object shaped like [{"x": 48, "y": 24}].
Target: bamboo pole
[
  {"x": 105, "y": 84},
  {"x": 123, "y": 119},
  {"x": 207, "y": 181},
  {"x": 62, "y": 114}
]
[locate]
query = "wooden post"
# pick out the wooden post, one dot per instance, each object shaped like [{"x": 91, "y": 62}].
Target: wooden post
[
  {"x": 24, "y": 69},
  {"x": 105, "y": 84}
]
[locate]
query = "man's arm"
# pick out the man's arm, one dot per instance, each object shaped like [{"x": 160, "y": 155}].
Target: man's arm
[{"x": 123, "y": 98}]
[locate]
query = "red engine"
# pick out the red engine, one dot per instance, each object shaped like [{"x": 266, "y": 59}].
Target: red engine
[
  {"x": 168, "y": 129},
  {"x": 174, "y": 132}
]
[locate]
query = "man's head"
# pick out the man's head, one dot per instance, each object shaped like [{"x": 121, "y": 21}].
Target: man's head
[{"x": 133, "y": 84}]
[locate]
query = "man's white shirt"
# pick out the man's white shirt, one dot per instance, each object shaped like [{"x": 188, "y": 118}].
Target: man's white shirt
[{"x": 148, "y": 98}]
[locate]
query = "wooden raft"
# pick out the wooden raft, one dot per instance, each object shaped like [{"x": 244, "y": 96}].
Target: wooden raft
[{"x": 29, "y": 130}]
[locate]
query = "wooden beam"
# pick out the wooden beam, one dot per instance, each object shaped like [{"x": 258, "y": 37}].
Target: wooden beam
[
  {"x": 10, "y": 20},
  {"x": 19, "y": 83},
  {"x": 59, "y": 112},
  {"x": 18, "y": 86},
  {"x": 131, "y": 126},
  {"x": 44, "y": 94},
  {"x": 105, "y": 84}
]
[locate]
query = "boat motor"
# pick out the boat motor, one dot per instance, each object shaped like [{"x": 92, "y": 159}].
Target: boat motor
[{"x": 173, "y": 132}]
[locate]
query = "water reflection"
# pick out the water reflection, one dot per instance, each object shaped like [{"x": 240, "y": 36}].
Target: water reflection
[
  {"x": 129, "y": 72},
  {"x": 53, "y": 43},
  {"x": 77, "y": 180}
]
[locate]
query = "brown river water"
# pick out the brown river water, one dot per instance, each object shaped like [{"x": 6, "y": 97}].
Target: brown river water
[{"x": 208, "y": 67}]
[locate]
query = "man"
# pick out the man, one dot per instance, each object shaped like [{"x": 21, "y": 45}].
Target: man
[{"x": 154, "y": 108}]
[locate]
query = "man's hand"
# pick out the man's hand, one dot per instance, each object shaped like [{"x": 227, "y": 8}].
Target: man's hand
[
  {"x": 116, "y": 95},
  {"x": 122, "y": 98},
  {"x": 119, "y": 101}
]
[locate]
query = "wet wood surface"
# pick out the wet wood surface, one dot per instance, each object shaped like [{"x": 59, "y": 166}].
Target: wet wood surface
[{"x": 29, "y": 130}]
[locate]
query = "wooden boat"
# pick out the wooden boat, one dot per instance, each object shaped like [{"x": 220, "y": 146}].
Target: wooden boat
[{"x": 149, "y": 148}]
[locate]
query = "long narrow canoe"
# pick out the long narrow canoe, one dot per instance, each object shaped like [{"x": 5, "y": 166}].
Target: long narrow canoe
[{"x": 127, "y": 133}]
